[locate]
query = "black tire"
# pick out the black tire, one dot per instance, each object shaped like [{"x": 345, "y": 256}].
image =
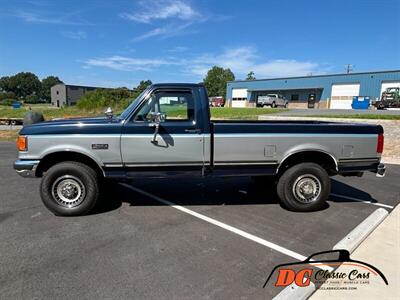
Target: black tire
[
  {"x": 304, "y": 175},
  {"x": 273, "y": 105},
  {"x": 82, "y": 178}
]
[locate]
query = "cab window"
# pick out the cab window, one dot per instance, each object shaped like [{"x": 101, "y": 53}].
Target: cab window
[{"x": 176, "y": 105}]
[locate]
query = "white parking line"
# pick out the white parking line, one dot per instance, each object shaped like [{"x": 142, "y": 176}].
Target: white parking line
[
  {"x": 240, "y": 232},
  {"x": 359, "y": 200}
]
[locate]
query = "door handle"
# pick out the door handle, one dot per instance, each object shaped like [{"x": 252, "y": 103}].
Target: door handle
[{"x": 192, "y": 130}]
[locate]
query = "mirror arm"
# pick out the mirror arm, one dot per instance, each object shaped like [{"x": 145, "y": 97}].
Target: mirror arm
[{"x": 156, "y": 128}]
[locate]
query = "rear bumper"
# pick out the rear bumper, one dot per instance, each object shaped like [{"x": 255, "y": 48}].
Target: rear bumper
[
  {"x": 381, "y": 170},
  {"x": 354, "y": 166},
  {"x": 26, "y": 168}
]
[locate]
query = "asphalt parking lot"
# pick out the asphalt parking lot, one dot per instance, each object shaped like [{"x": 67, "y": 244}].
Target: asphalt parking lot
[{"x": 150, "y": 241}]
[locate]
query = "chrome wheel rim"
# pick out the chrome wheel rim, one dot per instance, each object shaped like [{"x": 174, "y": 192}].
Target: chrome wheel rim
[
  {"x": 307, "y": 188},
  {"x": 68, "y": 191}
]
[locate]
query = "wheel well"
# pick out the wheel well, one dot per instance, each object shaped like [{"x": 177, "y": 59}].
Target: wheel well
[
  {"x": 323, "y": 159},
  {"x": 54, "y": 158}
]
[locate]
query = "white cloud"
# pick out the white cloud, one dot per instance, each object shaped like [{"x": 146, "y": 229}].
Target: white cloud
[
  {"x": 164, "y": 32},
  {"x": 240, "y": 60},
  {"x": 162, "y": 9},
  {"x": 75, "y": 35},
  {"x": 122, "y": 63},
  {"x": 39, "y": 18}
]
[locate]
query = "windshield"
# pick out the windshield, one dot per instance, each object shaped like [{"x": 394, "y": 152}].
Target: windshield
[{"x": 131, "y": 106}]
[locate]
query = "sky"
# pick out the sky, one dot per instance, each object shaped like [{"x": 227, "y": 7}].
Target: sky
[{"x": 120, "y": 42}]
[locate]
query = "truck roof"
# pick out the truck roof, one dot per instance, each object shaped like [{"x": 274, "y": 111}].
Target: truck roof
[{"x": 178, "y": 85}]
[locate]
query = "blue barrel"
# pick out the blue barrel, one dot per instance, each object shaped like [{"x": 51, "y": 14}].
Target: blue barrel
[
  {"x": 360, "y": 102},
  {"x": 16, "y": 105}
]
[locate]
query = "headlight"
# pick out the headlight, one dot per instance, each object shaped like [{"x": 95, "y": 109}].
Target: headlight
[{"x": 22, "y": 143}]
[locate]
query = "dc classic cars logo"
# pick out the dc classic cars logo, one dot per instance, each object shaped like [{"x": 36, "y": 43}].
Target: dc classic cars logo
[{"x": 318, "y": 271}]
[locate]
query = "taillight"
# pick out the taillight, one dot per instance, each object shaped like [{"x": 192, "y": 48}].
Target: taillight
[
  {"x": 22, "y": 143},
  {"x": 379, "y": 146}
]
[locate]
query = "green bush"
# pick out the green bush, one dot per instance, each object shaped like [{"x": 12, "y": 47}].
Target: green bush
[
  {"x": 101, "y": 98},
  {"x": 7, "y": 102},
  {"x": 31, "y": 99},
  {"x": 7, "y": 95}
]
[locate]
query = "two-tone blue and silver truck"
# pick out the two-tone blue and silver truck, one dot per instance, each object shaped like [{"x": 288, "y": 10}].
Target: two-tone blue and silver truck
[{"x": 167, "y": 132}]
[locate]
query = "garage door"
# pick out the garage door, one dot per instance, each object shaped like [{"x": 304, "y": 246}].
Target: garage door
[
  {"x": 342, "y": 95},
  {"x": 239, "y": 97},
  {"x": 390, "y": 84}
]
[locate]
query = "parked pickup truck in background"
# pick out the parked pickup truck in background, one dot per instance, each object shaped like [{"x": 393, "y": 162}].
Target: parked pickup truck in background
[
  {"x": 167, "y": 132},
  {"x": 217, "y": 101},
  {"x": 273, "y": 100}
]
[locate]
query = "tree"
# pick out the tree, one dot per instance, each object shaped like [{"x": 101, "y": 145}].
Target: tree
[
  {"x": 250, "y": 76},
  {"x": 118, "y": 98},
  {"x": 143, "y": 85},
  {"x": 5, "y": 84},
  {"x": 31, "y": 99},
  {"x": 47, "y": 83},
  {"x": 24, "y": 84},
  {"x": 216, "y": 80}
]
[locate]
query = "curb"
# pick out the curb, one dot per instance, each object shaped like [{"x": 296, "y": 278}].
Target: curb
[
  {"x": 293, "y": 291},
  {"x": 351, "y": 241}
]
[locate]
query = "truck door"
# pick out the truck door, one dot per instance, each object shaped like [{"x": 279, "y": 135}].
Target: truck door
[{"x": 176, "y": 148}]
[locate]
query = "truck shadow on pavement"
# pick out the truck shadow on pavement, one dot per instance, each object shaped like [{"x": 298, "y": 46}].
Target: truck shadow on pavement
[
  {"x": 342, "y": 192},
  {"x": 219, "y": 192}
]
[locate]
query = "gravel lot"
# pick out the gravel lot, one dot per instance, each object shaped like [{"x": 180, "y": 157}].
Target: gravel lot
[{"x": 134, "y": 246}]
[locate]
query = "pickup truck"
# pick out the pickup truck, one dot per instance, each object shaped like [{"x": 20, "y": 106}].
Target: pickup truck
[
  {"x": 273, "y": 100},
  {"x": 166, "y": 132}
]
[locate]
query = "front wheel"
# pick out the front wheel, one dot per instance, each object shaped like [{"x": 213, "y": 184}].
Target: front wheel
[
  {"x": 304, "y": 187},
  {"x": 69, "y": 189}
]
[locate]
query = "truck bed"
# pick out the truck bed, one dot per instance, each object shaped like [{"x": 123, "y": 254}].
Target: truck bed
[
  {"x": 293, "y": 126},
  {"x": 269, "y": 143}
]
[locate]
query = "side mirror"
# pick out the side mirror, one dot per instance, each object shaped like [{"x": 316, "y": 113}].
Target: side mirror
[
  {"x": 156, "y": 119},
  {"x": 109, "y": 113}
]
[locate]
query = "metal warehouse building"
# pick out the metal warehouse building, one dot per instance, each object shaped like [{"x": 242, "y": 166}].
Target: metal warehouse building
[{"x": 330, "y": 91}]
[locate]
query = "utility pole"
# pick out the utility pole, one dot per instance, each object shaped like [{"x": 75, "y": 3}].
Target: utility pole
[{"x": 349, "y": 68}]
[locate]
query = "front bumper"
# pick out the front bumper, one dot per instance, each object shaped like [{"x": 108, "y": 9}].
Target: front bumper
[{"x": 26, "y": 168}]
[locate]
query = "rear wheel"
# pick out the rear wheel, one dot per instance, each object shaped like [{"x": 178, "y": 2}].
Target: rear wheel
[
  {"x": 273, "y": 105},
  {"x": 69, "y": 189},
  {"x": 304, "y": 187}
]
